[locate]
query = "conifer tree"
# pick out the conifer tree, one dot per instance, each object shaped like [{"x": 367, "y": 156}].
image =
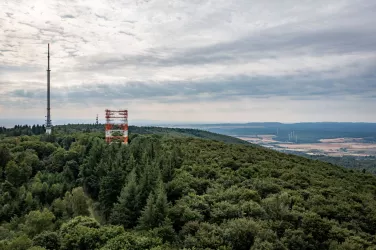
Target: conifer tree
[
  {"x": 110, "y": 188},
  {"x": 146, "y": 219},
  {"x": 161, "y": 205},
  {"x": 156, "y": 209},
  {"x": 132, "y": 163},
  {"x": 165, "y": 163},
  {"x": 125, "y": 211},
  {"x": 89, "y": 175},
  {"x": 5, "y": 157},
  {"x": 147, "y": 183}
]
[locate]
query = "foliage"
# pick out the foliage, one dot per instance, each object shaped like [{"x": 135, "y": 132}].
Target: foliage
[
  {"x": 48, "y": 240},
  {"x": 172, "y": 189}
]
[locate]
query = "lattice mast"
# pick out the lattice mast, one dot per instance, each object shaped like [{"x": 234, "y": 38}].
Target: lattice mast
[
  {"x": 116, "y": 125},
  {"x": 48, "y": 120}
]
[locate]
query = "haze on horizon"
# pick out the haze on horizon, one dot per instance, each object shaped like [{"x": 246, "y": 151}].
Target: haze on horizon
[{"x": 190, "y": 61}]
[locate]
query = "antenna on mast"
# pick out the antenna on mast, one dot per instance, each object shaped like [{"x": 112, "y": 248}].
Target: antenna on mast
[{"x": 48, "y": 121}]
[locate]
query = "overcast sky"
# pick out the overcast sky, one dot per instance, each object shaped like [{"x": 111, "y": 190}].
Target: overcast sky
[{"x": 190, "y": 60}]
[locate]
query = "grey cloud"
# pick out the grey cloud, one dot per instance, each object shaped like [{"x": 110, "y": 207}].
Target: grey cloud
[
  {"x": 341, "y": 33},
  {"x": 68, "y": 16},
  {"x": 102, "y": 17},
  {"x": 345, "y": 33},
  {"x": 15, "y": 69},
  {"x": 253, "y": 48},
  {"x": 209, "y": 90},
  {"x": 127, "y": 33}
]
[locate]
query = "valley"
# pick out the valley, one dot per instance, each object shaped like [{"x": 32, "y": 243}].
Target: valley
[
  {"x": 317, "y": 138},
  {"x": 335, "y": 147}
]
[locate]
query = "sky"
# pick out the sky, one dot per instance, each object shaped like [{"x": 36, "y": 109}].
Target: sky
[{"x": 190, "y": 60}]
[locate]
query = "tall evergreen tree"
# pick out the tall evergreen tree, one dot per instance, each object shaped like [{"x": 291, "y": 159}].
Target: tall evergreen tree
[
  {"x": 89, "y": 175},
  {"x": 5, "y": 157},
  {"x": 147, "y": 183},
  {"x": 155, "y": 212},
  {"x": 126, "y": 210},
  {"x": 167, "y": 169},
  {"x": 110, "y": 188}
]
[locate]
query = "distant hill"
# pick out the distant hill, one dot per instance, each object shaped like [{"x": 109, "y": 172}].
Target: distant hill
[
  {"x": 76, "y": 128},
  {"x": 185, "y": 132}
]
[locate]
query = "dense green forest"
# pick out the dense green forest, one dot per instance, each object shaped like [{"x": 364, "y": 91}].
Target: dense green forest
[
  {"x": 174, "y": 190},
  {"x": 359, "y": 163},
  {"x": 366, "y": 164},
  {"x": 89, "y": 128}
]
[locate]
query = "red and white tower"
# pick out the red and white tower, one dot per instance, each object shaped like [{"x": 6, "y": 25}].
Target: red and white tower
[{"x": 117, "y": 125}]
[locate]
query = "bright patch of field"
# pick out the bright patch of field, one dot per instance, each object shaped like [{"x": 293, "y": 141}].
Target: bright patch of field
[
  {"x": 334, "y": 149},
  {"x": 330, "y": 147},
  {"x": 259, "y": 138},
  {"x": 341, "y": 140}
]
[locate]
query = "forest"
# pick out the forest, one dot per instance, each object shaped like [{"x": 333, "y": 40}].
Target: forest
[
  {"x": 175, "y": 189},
  {"x": 360, "y": 163}
]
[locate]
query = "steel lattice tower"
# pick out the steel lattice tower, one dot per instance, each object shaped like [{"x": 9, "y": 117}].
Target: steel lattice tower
[{"x": 120, "y": 127}]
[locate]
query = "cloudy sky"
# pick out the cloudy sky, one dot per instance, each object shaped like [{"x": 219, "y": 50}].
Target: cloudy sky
[{"x": 190, "y": 60}]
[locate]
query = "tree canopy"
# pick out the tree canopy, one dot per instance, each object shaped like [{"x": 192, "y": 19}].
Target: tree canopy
[{"x": 71, "y": 190}]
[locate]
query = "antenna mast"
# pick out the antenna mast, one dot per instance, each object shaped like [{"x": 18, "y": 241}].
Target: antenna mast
[{"x": 48, "y": 121}]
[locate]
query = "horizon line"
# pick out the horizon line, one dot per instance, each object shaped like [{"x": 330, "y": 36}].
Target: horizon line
[{"x": 61, "y": 122}]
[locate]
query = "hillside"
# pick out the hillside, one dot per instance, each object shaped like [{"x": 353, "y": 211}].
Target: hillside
[
  {"x": 73, "y": 191},
  {"x": 77, "y": 128},
  {"x": 364, "y": 164}
]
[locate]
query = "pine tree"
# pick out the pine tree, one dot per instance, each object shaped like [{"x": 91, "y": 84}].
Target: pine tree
[
  {"x": 161, "y": 206},
  {"x": 147, "y": 183},
  {"x": 146, "y": 220},
  {"x": 156, "y": 209},
  {"x": 88, "y": 172},
  {"x": 132, "y": 164},
  {"x": 177, "y": 157},
  {"x": 165, "y": 163},
  {"x": 5, "y": 157},
  {"x": 110, "y": 188},
  {"x": 125, "y": 211}
]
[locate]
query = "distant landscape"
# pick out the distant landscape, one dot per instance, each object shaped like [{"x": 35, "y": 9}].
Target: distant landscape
[
  {"x": 326, "y": 138},
  {"x": 351, "y": 145}
]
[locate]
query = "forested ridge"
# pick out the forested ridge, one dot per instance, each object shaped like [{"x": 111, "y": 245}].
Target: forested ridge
[
  {"x": 19, "y": 130},
  {"x": 73, "y": 191}
]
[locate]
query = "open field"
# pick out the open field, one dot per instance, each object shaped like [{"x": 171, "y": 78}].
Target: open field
[
  {"x": 259, "y": 139},
  {"x": 329, "y": 147},
  {"x": 334, "y": 149},
  {"x": 341, "y": 140}
]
